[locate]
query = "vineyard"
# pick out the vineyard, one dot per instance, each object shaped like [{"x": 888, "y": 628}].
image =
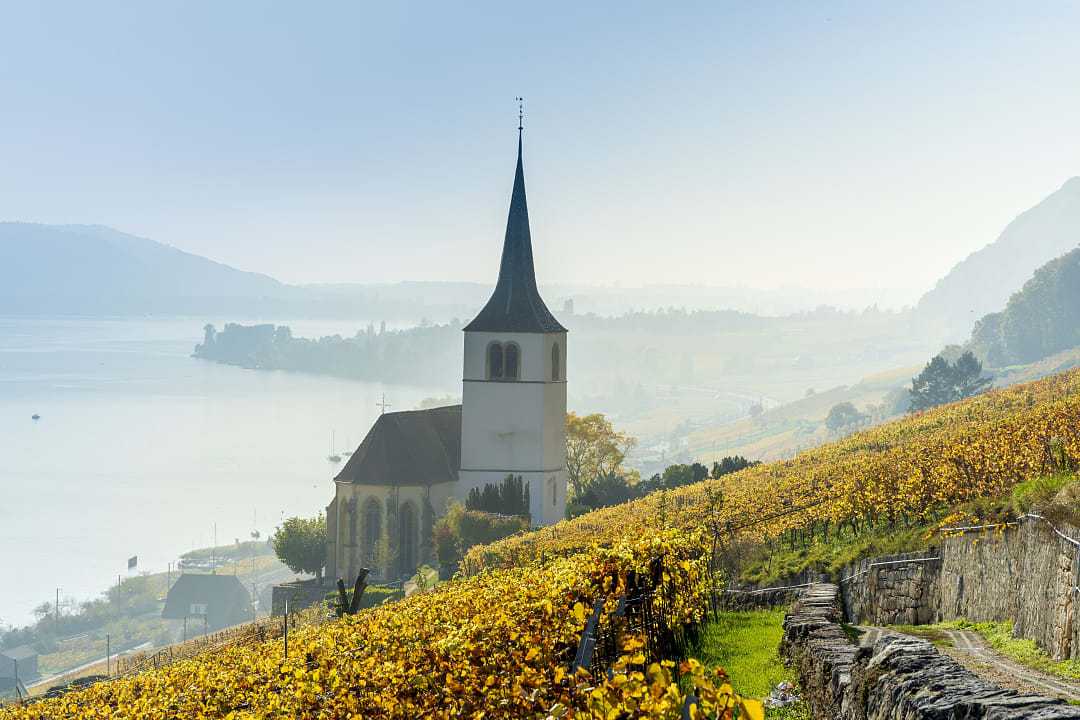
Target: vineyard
[
  {"x": 501, "y": 641},
  {"x": 907, "y": 471}
]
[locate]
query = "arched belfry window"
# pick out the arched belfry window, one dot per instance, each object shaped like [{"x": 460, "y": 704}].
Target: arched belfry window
[
  {"x": 511, "y": 360},
  {"x": 556, "y": 370},
  {"x": 495, "y": 361}
]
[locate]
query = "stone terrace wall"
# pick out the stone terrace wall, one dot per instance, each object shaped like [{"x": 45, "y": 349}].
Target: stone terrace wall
[
  {"x": 900, "y": 594},
  {"x": 899, "y": 678},
  {"x": 1027, "y": 574}
]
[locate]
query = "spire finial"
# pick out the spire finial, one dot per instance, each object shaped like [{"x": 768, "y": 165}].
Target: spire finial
[{"x": 521, "y": 113}]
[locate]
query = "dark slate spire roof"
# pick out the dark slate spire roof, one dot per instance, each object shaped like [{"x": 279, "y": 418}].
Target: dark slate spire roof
[{"x": 516, "y": 305}]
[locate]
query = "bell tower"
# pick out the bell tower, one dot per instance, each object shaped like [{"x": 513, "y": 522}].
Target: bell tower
[{"x": 513, "y": 417}]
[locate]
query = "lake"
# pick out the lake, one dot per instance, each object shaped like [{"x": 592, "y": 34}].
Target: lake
[{"x": 141, "y": 449}]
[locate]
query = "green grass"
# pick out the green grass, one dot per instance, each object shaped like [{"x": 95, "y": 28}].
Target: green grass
[
  {"x": 834, "y": 554},
  {"x": 745, "y": 644}
]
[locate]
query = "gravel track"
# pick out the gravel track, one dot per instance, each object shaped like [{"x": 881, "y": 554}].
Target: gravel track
[{"x": 970, "y": 650}]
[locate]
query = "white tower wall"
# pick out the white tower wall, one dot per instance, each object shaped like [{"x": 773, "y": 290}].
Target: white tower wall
[{"x": 516, "y": 426}]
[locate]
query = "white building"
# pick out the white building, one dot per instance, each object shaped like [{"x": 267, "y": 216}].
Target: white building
[{"x": 511, "y": 422}]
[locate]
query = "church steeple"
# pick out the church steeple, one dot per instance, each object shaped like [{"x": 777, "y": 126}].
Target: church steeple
[{"x": 516, "y": 305}]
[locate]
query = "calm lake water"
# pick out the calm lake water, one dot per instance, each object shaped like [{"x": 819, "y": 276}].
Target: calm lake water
[{"x": 140, "y": 448}]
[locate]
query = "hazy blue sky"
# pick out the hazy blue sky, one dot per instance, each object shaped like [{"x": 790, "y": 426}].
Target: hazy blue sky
[{"x": 814, "y": 144}]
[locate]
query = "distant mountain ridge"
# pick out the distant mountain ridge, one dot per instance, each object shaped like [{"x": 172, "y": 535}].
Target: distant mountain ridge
[
  {"x": 983, "y": 282},
  {"x": 92, "y": 269}
]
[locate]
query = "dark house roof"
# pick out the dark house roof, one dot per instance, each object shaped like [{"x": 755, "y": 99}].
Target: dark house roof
[
  {"x": 226, "y": 600},
  {"x": 516, "y": 305},
  {"x": 418, "y": 447},
  {"x": 20, "y": 653}
]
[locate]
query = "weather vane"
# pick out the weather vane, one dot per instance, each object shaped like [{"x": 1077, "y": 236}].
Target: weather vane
[{"x": 521, "y": 112}]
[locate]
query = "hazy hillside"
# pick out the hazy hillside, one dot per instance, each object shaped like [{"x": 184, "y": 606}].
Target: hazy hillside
[
  {"x": 983, "y": 282},
  {"x": 1040, "y": 320},
  {"x": 91, "y": 269}
]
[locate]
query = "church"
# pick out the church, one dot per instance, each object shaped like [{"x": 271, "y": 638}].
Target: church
[{"x": 511, "y": 421}]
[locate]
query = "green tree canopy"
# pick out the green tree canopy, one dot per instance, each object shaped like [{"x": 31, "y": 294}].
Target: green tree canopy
[
  {"x": 943, "y": 382},
  {"x": 510, "y": 497},
  {"x": 842, "y": 415},
  {"x": 300, "y": 543},
  {"x": 594, "y": 448}
]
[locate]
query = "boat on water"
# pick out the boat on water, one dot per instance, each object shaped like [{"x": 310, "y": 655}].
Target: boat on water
[
  {"x": 333, "y": 456},
  {"x": 35, "y": 416}
]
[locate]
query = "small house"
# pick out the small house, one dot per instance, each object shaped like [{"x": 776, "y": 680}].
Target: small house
[{"x": 219, "y": 601}]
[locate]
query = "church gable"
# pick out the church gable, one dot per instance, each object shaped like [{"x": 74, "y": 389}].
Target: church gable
[{"x": 419, "y": 447}]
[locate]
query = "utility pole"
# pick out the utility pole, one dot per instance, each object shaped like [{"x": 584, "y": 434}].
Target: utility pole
[
  {"x": 108, "y": 653},
  {"x": 56, "y": 609}
]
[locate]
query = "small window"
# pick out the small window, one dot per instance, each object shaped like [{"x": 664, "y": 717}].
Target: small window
[
  {"x": 555, "y": 370},
  {"x": 495, "y": 361},
  {"x": 510, "y": 361}
]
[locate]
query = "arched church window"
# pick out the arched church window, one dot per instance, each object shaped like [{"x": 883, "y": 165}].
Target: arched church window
[
  {"x": 556, "y": 371},
  {"x": 511, "y": 355},
  {"x": 372, "y": 529},
  {"x": 554, "y": 492},
  {"x": 495, "y": 361},
  {"x": 351, "y": 506},
  {"x": 408, "y": 532}
]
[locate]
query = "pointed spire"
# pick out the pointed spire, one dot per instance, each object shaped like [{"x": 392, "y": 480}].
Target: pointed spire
[{"x": 516, "y": 305}]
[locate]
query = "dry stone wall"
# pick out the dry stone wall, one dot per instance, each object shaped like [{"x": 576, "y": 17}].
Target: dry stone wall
[
  {"x": 898, "y": 678},
  {"x": 894, "y": 589},
  {"x": 1027, "y": 574}
]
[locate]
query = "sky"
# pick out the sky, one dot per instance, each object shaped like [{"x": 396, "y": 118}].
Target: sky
[{"x": 818, "y": 145}]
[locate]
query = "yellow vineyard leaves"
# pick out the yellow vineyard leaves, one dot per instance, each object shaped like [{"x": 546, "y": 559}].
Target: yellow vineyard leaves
[
  {"x": 498, "y": 643},
  {"x": 904, "y": 469}
]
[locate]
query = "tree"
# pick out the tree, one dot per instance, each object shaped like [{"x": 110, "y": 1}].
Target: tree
[
  {"x": 728, "y": 465},
  {"x": 607, "y": 490},
  {"x": 943, "y": 382},
  {"x": 510, "y": 497},
  {"x": 300, "y": 543},
  {"x": 594, "y": 449},
  {"x": 842, "y": 415}
]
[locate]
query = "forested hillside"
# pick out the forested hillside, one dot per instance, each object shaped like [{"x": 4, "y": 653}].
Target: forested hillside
[{"x": 1040, "y": 320}]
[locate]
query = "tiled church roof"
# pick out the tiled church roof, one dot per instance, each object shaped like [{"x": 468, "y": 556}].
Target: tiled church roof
[
  {"x": 516, "y": 305},
  {"x": 417, "y": 447}
]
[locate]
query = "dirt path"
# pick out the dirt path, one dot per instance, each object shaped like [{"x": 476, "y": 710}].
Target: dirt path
[{"x": 970, "y": 650}]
